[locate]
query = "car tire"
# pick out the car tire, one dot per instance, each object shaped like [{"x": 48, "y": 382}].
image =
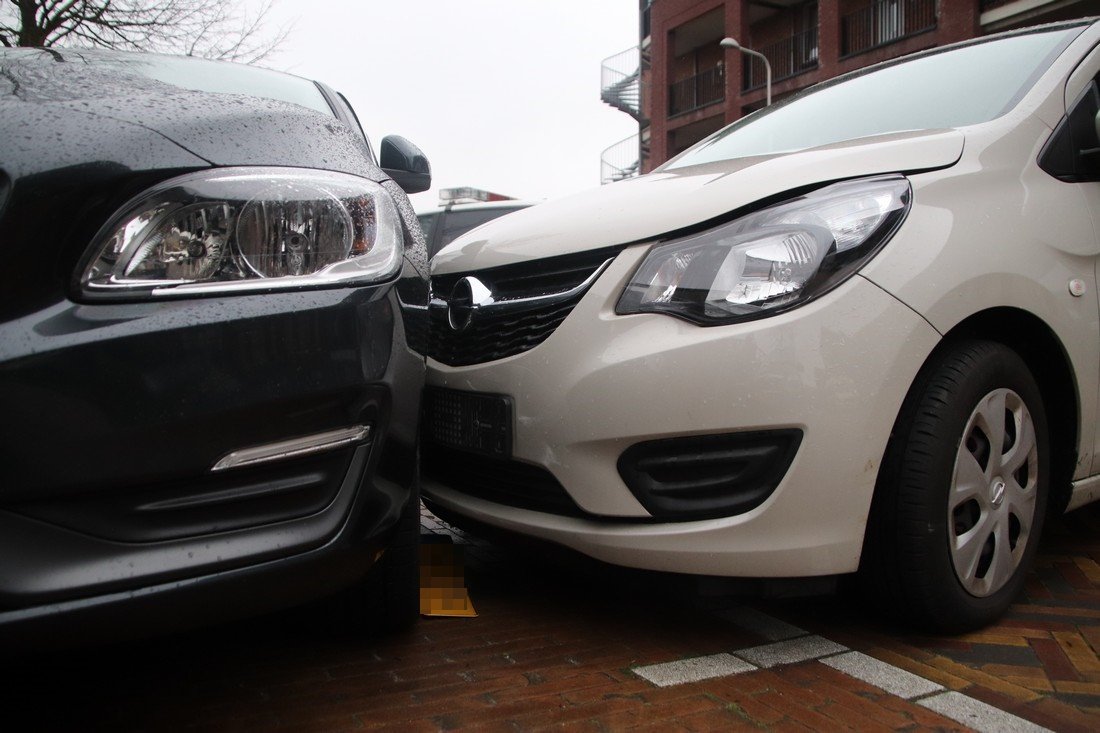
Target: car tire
[
  {"x": 388, "y": 598},
  {"x": 956, "y": 520}
]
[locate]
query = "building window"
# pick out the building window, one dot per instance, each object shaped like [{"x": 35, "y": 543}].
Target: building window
[
  {"x": 706, "y": 87},
  {"x": 696, "y": 73}
]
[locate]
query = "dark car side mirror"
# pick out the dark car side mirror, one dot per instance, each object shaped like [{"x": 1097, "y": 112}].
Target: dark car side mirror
[{"x": 405, "y": 163}]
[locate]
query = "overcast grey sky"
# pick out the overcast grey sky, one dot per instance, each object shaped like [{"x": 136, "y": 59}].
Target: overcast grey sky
[{"x": 500, "y": 94}]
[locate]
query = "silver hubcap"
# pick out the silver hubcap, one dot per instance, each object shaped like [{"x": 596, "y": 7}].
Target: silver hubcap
[{"x": 991, "y": 507}]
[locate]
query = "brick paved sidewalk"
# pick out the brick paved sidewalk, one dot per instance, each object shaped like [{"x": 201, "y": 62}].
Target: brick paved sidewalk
[
  {"x": 1039, "y": 662},
  {"x": 562, "y": 643}
]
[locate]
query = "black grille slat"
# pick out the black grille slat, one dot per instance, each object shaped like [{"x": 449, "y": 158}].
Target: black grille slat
[
  {"x": 499, "y": 338},
  {"x": 496, "y": 333}
]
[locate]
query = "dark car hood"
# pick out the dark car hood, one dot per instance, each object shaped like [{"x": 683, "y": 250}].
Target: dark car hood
[
  {"x": 80, "y": 136},
  {"x": 93, "y": 109}
]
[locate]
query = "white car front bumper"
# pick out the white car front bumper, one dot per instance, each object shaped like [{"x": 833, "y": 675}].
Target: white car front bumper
[{"x": 837, "y": 369}]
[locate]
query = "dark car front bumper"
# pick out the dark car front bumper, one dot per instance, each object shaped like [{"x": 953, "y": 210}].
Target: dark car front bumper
[{"x": 116, "y": 414}]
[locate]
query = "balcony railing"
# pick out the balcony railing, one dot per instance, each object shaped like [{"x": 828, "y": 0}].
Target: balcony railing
[
  {"x": 697, "y": 91},
  {"x": 885, "y": 21},
  {"x": 621, "y": 160},
  {"x": 787, "y": 57},
  {"x": 621, "y": 82}
]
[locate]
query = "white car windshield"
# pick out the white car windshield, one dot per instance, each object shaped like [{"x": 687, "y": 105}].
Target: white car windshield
[{"x": 962, "y": 86}]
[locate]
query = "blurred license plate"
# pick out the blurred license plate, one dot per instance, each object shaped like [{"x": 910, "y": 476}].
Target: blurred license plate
[{"x": 469, "y": 421}]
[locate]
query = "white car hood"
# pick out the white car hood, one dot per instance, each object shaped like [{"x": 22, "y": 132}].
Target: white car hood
[{"x": 647, "y": 207}]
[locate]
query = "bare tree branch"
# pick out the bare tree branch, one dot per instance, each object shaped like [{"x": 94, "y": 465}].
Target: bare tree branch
[{"x": 210, "y": 28}]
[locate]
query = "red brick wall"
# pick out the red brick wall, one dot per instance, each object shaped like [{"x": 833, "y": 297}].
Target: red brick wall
[
  {"x": 681, "y": 67},
  {"x": 770, "y": 30},
  {"x": 958, "y": 21}
]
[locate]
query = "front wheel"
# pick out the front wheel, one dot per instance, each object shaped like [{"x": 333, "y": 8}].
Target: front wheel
[
  {"x": 962, "y": 493},
  {"x": 387, "y": 600}
]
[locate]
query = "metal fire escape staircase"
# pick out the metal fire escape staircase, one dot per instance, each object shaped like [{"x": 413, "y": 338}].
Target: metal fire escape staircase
[
  {"x": 622, "y": 88},
  {"x": 625, "y": 94}
]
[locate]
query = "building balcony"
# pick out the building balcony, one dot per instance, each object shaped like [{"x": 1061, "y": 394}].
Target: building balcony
[
  {"x": 788, "y": 57},
  {"x": 884, "y": 22},
  {"x": 706, "y": 87}
]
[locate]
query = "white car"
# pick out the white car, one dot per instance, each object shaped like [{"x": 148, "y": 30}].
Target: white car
[{"x": 856, "y": 331}]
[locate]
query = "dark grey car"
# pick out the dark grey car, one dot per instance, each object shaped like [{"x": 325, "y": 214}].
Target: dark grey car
[{"x": 209, "y": 369}]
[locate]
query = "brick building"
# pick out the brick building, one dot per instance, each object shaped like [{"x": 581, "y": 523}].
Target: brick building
[{"x": 681, "y": 85}]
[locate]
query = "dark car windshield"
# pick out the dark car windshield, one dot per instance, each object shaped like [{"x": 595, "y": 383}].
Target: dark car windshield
[
  {"x": 203, "y": 75},
  {"x": 962, "y": 86},
  {"x": 95, "y": 72}
]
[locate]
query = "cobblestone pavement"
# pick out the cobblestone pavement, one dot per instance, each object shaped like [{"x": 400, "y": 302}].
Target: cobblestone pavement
[{"x": 566, "y": 643}]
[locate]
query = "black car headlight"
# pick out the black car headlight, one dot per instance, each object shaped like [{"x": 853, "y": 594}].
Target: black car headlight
[
  {"x": 245, "y": 229},
  {"x": 770, "y": 260}
]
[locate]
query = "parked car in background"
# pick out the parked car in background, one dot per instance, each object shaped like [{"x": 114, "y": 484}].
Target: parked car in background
[
  {"x": 855, "y": 331},
  {"x": 461, "y": 210},
  {"x": 210, "y": 403}
]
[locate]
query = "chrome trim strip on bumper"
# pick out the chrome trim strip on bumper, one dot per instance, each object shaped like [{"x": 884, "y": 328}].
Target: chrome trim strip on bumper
[
  {"x": 292, "y": 448},
  {"x": 509, "y": 304}
]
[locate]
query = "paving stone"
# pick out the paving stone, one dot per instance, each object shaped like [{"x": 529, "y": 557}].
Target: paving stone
[
  {"x": 884, "y": 676},
  {"x": 978, "y": 715},
  {"x": 693, "y": 670},
  {"x": 790, "y": 651}
]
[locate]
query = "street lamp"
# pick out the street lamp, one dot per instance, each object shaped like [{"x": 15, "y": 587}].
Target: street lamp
[{"x": 732, "y": 43}]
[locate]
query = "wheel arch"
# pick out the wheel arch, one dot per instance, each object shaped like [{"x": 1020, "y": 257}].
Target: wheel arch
[
  {"x": 1047, "y": 359},
  {"x": 906, "y": 559}
]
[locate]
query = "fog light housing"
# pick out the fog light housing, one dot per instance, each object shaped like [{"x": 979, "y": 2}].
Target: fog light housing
[{"x": 708, "y": 476}]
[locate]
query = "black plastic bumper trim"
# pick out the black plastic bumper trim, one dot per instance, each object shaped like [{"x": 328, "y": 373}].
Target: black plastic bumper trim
[{"x": 708, "y": 476}]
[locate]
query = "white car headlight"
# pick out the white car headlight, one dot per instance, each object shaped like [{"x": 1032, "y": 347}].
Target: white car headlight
[
  {"x": 246, "y": 229},
  {"x": 771, "y": 260}
]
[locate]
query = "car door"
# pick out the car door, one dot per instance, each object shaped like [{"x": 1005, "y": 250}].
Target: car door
[{"x": 1082, "y": 104}]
